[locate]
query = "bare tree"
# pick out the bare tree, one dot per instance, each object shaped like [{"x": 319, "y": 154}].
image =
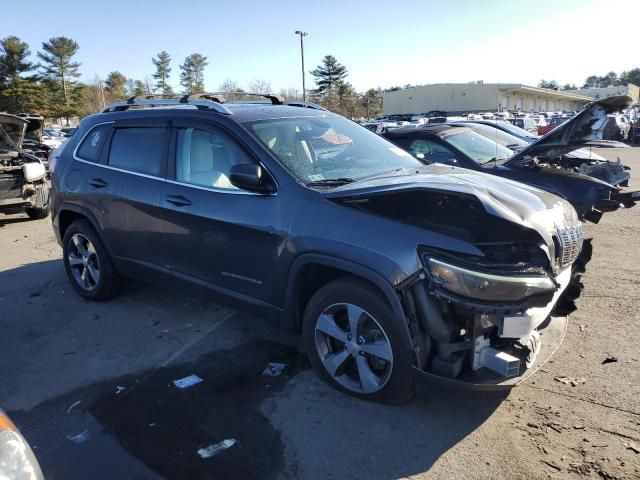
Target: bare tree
[
  {"x": 228, "y": 86},
  {"x": 290, "y": 93},
  {"x": 149, "y": 85},
  {"x": 231, "y": 89},
  {"x": 259, "y": 86},
  {"x": 94, "y": 97}
]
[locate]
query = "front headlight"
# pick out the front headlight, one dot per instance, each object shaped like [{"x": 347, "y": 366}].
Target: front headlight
[
  {"x": 486, "y": 286},
  {"x": 16, "y": 458}
]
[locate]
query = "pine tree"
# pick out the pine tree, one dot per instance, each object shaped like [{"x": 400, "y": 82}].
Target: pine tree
[
  {"x": 329, "y": 75},
  {"x": 192, "y": 73},
  {"x": 115, "y": 85},
  {"x": 140, "y": 88},
  {"x": 18, "y": 93},
  {"x": 163, "y": 70},
  {"x": 59, "y": 71}
]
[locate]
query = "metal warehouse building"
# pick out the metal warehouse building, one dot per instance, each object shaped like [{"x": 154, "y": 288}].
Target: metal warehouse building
[{"x": 458, "y": 98}]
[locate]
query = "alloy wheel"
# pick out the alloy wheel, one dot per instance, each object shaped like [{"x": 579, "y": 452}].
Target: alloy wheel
[
  {"x": 353, "y": 348},
  {"x": 83, "y": 262}
]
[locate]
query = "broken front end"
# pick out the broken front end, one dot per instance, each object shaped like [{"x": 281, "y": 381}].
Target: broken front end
[
  {"x": 23, "y": 183},
  {"x": 491, "y": 320}
]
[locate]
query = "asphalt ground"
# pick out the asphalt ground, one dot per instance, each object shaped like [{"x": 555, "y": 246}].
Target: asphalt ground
[{"x": 91, "y": 385}]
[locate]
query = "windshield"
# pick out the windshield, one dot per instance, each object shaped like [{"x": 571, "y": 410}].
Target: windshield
[
  {"x": 480, "y": 149},
  {"x": 503, "y": 138},
  {"x": 517, "y": 131},
  {"x": 321, "y": 149}
]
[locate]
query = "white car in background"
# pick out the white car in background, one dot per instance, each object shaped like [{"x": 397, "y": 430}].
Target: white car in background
[{"x": 52, "y": 138}]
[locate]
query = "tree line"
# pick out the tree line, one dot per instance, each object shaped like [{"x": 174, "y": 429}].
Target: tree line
[
  {"x": 611, "y": 79},
  {"x": 51, "y": 86}
]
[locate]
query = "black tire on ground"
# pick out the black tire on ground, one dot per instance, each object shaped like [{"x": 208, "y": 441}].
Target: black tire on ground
[
  {"x": 106, "y": 286},
  {"x": 36, "y": 213},
  {"x": 351, "y": 290}
]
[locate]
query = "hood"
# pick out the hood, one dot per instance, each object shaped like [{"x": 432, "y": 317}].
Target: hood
[
  {"x": 12, "y": 130},
  {"x": 585, "y": 129},
  {"x": 522, "y": 204}
]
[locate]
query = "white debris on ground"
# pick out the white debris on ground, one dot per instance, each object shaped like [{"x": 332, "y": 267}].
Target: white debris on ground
[
  {"x": 187, "y": 382},
  {"x": 216, "y": 448}
]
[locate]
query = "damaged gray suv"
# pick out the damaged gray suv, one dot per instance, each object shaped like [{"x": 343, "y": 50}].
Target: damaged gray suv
[{"x": 392, "y": 270}]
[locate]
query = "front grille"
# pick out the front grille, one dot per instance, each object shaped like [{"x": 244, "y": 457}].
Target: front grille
[
  {"x": 570, "y": 239},
  {"x": 11, "y": 185}
]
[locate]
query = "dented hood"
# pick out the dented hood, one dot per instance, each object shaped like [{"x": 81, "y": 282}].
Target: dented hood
[
  {"x": 513, "y": 201},
  {"x": 586, "y": 129}
]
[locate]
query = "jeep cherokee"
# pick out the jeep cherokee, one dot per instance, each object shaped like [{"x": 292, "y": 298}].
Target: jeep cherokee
[{"x": 392, "y": 270}]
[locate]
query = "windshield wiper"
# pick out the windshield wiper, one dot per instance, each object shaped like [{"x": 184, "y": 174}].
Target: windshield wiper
[{"x": 331, "y": 182}]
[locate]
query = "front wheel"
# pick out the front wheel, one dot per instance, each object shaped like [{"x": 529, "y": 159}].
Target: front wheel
[{"x": 356, "y": 344}]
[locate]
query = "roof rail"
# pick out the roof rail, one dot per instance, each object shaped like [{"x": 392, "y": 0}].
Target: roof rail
[
  {"x": 202, "y": 103},
  {"x": 214, "y": 97},
  {"x": 149, "y": 96},
  {"x": 275, "y": 99},
  {"x": 212, "y": 101},
  {"x": 300, "y": 103}
]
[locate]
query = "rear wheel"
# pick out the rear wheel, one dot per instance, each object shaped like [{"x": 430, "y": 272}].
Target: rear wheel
[
  {"x": 87, "y": 262},
  {"x": 356, "y": 344}
]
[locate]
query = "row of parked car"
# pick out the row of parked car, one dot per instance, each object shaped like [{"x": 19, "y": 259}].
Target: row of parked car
[
  {"x": 449, "y": 252},
  {"x": 618, "y": 124}
]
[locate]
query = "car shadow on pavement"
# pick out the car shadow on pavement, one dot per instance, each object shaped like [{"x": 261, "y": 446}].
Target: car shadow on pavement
[
  {"x": 333, "y": 435},
  {"x": 90, "y": 386},
  {"x": 8, "y": 221}
]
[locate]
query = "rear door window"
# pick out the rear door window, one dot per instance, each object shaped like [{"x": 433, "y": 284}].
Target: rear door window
[
  {"x": 93, "y": 142},
  {"x": 139, "y": 149}
]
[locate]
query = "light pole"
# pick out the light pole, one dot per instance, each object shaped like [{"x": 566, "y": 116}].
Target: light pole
[{"x": 304, "y": 90}]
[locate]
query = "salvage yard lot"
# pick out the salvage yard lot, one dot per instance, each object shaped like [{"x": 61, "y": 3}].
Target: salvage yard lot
[{"x": 90, "y": 384}]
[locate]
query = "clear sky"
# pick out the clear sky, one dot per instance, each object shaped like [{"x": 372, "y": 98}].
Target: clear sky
[{"x": 382, "y": 43}]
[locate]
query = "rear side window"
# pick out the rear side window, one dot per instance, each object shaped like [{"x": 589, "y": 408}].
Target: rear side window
[
  {"x": 138, "y": 149},
  {"x": 92, "y": 144}
]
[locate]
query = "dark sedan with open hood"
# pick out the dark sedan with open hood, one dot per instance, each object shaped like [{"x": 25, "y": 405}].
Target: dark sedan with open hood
[{"x": 461, "y": 146}]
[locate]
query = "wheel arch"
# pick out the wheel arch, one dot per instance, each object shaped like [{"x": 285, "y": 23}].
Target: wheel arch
[
  {"x": 309, "y": 272},
  {"x": 68, "y": 213}
]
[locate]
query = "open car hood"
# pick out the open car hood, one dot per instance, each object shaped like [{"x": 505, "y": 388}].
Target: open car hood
[
  {"x": 586, "y": 129},
  {"x": 12, "y": 130}
]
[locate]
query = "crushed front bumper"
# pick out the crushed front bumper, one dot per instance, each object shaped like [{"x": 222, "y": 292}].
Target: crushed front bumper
[
  {"x": 551, "y": 334},
  {"x": 475, "y": 347}
]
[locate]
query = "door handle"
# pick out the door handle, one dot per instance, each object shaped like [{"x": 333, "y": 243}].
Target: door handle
[
  {"x": 178, "y": 200},
  {"x": 97, "y": 183}
]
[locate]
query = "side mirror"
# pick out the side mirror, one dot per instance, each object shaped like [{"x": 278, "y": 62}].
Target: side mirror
[{"x": 248, "y": 176}]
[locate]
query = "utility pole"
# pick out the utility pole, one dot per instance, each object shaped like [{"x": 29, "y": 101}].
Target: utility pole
[{"x": 304, "y": 90}]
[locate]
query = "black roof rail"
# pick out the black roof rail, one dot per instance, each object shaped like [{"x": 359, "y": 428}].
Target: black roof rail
[
  {"x": 275, "y": 99},
  {"x": 148, "y": 96},
  {"x": 214, "y": 97},
  {"x": 300, "y": 103},
  {"x": 201, "y": 102},
  {"x": 213, "y": 101}
]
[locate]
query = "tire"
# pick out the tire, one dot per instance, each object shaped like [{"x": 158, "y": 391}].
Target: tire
[
  {"x": 329, "y": 339},
  {"x": 36, "y": 213},
  {"x": 87, "y": 262}
]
